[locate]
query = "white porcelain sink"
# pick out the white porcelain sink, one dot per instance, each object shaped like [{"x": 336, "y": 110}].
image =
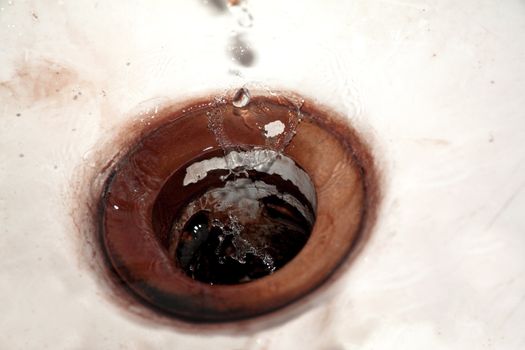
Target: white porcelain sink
[{"x": 437, "y": 87}]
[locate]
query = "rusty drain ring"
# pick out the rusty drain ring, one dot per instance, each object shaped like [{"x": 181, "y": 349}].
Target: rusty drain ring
[{"x": 327, "y": 148}]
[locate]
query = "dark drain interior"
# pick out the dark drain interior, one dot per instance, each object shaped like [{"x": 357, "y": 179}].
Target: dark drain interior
[
  {"x": 225, "y": 210},
  {"x": 236, "y": 225},
  {"x": 216, "y": 247}
]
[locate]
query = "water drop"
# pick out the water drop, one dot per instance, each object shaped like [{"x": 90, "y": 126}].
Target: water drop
[
  {"x": 244, "y": 18},
  {"x": 241, "y": 98},
  {"x": 240, "y": 51},
  {"x": 240, "y": 12}
]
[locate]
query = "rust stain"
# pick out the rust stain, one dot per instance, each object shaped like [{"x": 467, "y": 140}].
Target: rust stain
[{"x": 39, "y": 80}]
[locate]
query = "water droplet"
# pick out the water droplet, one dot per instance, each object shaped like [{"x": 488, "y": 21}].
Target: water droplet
[
  {"x": 241, "y": 13},
  {"x": 241, "y": 98},
  {"x": 245, "y": 18}
]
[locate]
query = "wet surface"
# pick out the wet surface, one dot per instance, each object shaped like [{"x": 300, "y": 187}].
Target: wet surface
[{"x": 448, "y": 140}]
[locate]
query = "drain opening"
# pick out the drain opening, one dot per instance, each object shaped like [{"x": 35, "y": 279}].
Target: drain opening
[
  {"x": 226, "y": 210},
  {"x": 249, "y": 221}
]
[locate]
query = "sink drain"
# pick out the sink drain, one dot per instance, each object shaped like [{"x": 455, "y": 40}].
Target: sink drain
[
  {"x": 247, "y": 224},
  {"x": 235, "y": 207}
]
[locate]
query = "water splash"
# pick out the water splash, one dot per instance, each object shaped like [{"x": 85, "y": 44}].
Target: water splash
[
  {"x": 277, "y": 133},
  {"x": 216, "y": 122}
]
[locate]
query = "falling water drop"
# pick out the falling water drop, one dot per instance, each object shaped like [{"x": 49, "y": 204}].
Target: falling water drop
[
  {"x": 239, "y": 9},
  {"x": 244, "y": 18}
]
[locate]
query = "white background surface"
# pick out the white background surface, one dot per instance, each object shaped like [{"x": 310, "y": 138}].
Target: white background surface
[{"x": 439, "y": 86}]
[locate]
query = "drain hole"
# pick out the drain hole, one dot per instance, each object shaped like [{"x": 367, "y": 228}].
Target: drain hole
[
  {"x": 234, "y": 207},
  {"x": 241, "y": 229}
]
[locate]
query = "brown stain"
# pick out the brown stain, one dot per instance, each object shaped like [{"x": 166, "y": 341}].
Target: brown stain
[
  {"x": 38, "y": 80},
  {"x": 89, "y": 182}
]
